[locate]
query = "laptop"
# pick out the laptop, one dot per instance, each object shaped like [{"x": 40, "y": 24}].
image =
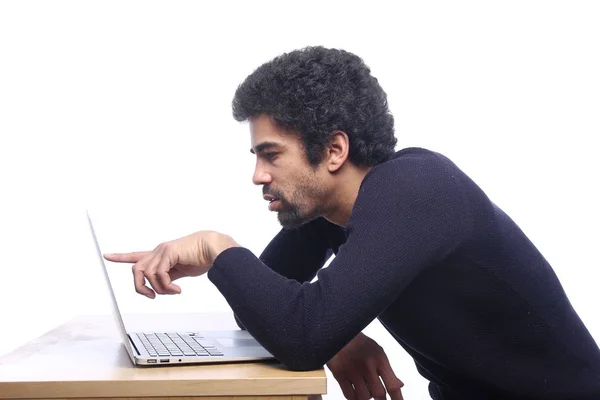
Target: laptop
[{"x": 167, "y": 347}]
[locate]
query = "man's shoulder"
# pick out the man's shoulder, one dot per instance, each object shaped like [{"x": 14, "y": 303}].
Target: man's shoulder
[
  {"x": 414, "y": 184},
  {"x": 413, "y": 152},
  {"x": 419, "y": 178},
  {"x": 413, "y": 165}
]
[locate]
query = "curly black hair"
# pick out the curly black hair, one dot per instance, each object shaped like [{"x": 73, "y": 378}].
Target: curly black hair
[{"x": 315, "y": 91}]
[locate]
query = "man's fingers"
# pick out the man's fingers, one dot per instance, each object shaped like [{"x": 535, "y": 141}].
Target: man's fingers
[
  {"x": 140, "y": 283},
  {"x": 139, "y": 280},
  {"x": 396, "y": 395},
  {"x": 375, "y": 386},
  {"x": 138, "y": 268},
  {"x": 150, "y": 272},
  {"x": 162, "y": 273},
  {"x": 391, "y": 381},
  {"x": 347, "y": 389},
  {"x": 126, "y": 257},
  {"x": 360, "y": 388}
]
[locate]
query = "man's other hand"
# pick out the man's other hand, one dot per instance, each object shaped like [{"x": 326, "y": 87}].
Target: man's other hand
[{"x": 357, "y": 368}]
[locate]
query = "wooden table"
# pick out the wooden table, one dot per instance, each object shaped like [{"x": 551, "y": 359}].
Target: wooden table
[{"x": 85, "y": 359}]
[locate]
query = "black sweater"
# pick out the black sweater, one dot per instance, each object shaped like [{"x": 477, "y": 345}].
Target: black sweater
[{"x": 451, "y": 277}]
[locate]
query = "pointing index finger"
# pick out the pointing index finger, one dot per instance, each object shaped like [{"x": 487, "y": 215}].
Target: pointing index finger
[{"x": 126, "y": 257}]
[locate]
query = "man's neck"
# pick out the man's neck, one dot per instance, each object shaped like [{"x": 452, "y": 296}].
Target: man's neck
[{"x": 345, "y": 194}]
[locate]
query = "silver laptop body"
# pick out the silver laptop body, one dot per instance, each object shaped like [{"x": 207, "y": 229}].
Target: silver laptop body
[{"x": 167, "y": 347}]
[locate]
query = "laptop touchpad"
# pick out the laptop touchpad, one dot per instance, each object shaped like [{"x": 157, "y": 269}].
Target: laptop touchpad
[{"x": 238, "y": 342}]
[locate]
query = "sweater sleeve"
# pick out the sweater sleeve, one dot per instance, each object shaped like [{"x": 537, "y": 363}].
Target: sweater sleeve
[
  {"x": 299, "y": 253},
  {"x": 409, "y": 214}
]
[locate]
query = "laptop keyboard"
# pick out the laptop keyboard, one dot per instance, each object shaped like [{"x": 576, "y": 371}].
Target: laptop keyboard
[{"x": 174, "y": 344}]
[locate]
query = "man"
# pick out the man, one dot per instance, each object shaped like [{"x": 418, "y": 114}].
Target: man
[{"x": 418, "y": 245}]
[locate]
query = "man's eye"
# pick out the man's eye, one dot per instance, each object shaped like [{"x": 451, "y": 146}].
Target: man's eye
[{"x": 270, "y": 156}]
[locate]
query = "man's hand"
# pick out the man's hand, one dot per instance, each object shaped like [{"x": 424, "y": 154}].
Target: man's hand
[
  {"x": 191, "y": 255},
  {"x": 357, "y": 368}
]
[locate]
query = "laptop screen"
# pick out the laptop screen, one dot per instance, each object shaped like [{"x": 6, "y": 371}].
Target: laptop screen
[{"x": 115, "y": 307}]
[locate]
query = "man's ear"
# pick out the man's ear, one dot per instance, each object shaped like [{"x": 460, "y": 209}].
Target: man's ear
[{"x": 337, "y": 151}]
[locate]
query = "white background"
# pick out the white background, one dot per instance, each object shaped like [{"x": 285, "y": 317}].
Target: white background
[{"x": 124, "y": 108}]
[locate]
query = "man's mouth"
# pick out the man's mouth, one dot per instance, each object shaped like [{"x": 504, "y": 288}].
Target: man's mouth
[
  {"x": 273, "y": 201},
  {"x": 270, "y": 198}
]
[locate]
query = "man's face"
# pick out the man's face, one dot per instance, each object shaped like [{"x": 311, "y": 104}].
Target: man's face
[{"x": 294, "y": 189}]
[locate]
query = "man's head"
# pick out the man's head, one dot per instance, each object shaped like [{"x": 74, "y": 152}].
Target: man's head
[
  {"x": 293, "y": 187},
  {"x": 324, "y": 109}
]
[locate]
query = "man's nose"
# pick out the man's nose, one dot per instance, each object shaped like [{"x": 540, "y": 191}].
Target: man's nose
[{"x": 261, "y": 177}]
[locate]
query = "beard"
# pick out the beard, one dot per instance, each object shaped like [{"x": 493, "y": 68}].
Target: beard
[
  {"x": 294, "y": 216},
  {"x": 297, "y": 210}
]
